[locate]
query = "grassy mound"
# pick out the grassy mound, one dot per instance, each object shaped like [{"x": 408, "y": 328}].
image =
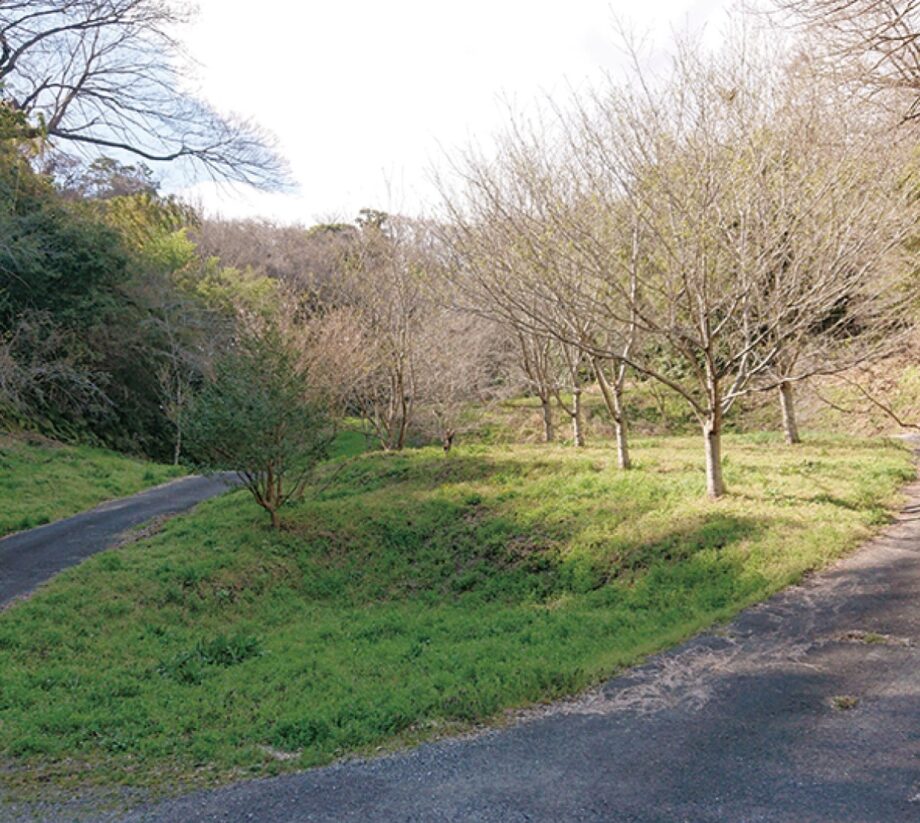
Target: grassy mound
[
  {"x": 415, "y": 594},
  {"x": 42, "y": 481}
]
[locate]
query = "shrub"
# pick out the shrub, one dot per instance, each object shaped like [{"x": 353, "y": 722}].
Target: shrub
[{"x": 260, "y": 416}]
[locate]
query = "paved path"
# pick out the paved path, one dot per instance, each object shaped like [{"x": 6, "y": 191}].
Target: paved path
[
  {"x": 738, "y": 725},
  {"x": 32, "y": 557}
]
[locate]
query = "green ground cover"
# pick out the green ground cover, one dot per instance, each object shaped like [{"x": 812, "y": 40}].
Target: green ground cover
[
  {"x": 414, "y": 595},
  {"x": 42, "y": 481}
]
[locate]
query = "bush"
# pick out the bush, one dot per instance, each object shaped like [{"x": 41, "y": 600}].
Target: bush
[{"x": 260, "y": 417}]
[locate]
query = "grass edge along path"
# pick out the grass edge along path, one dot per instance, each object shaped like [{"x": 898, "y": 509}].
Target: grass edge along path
[
  {"x": 42, "y": 481},
  {"x": 416, "y": 596}
]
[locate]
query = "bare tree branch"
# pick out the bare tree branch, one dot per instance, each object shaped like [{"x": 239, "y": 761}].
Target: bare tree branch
[{"x": 110, "y": 74}]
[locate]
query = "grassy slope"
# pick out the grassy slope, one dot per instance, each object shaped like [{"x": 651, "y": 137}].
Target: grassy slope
[
  {"x": 45, "y": 481},
  {"x": 417, "y": 594}
]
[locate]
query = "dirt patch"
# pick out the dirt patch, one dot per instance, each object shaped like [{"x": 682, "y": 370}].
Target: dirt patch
[
  {"x": 149, "y": 529},
  {"x": 278, "y": 754},
  {"x": 12, "y": 439}
]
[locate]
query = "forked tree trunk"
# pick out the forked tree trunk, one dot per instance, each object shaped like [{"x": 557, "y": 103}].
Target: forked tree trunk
[
  {"x": 267, "y": 491},
  {"x": 549, "y": 432},
  {"x": 712, "y": 437},
  {"x": 613, "y": 400},
  {"x": 403, "y": 424},
  {"x": 578, "y": 423},
  {"x": 787, "y": 404}
]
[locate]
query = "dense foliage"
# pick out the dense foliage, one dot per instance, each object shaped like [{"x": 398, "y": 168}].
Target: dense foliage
[{"x": 107, "y": 312}]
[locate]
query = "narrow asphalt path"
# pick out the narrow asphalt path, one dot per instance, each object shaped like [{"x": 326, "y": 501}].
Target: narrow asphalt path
[
  {"x": 29, "y": 558},
  {"x": 806, "y": 708}
]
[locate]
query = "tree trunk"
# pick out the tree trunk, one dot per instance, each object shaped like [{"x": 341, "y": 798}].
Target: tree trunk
[
  {"x": 613, "y": 399},
  {"x": 549, "y": 433},
  {"x": 403, "y": 425},
  {"x": 787, "y": 404},
  {"x": 578, "y": 425},
  {"x": 712, "y": 437},
  {"x": 177, "y": 450},
  {"x": 623, "y": 459},
  {"x": 276, "y": 519}
]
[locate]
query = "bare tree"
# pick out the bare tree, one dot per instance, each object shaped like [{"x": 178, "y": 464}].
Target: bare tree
[
  {"x": 518, "y": 226},
  {"x": 830, "y": 237},
  {"x": 109, "y": 75},
  {"x": 688, "y": 229},
  {"x": 875, "y": 43},
  {"x": 336, "y": 350},
  {"x": 574, "y": 363},
  {"x": 537, "y": 365},
  {"x": 763, "y": 230},
  {"x": 485, "y": 270},
  {"x": 190, "y": 340},
  {"x": 384, "y": 281},
  {"x": 458, "y": 370}
]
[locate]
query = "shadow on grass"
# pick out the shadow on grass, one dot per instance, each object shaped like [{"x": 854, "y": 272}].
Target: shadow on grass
[
  {"x": 714, "y": 532},
  {"x": 424, "y": 539},
  {"x": 430, "y": 469}
]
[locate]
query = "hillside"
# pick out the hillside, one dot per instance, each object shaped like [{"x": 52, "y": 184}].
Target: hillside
[
  {"x": 410, "y": 596},
  {"x": 42, "y": 480}
]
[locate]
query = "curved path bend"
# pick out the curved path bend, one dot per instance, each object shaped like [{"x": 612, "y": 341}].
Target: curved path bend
[
  {"x": 32, "y": 557},
  {"x": 804, "y": 709}
]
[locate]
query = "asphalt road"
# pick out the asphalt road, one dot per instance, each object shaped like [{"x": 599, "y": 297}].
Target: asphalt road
[
  {"x": 29, "y": 558},
  {"x": 806, "y": 708}
]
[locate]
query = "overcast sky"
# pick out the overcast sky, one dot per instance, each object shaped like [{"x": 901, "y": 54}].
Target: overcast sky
[{"x": 364, "y": 96}]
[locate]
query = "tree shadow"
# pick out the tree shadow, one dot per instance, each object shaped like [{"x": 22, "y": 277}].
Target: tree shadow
[{"x": 713, "y": 532}]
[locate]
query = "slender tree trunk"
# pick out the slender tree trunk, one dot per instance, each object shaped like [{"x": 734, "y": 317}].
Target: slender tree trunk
[
  {"x": 401, "y": 436},
  {"x": 401, "y": 431},
  {"x": 578, "y": 425},
  {"x": 177, "y": 450},
  {"x": 268, "y": 494},
  {"x": 787, "y": 404},
  {"x": 624, "y": 461},
  {"x": 613, "y": 399},
  {"x": 712, "y": 437},
  {"x": 549, "y": 432},
  {"x": 405, "y": 415}
]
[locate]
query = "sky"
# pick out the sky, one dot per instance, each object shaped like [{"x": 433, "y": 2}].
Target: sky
[{"x": 365, "y": 97}]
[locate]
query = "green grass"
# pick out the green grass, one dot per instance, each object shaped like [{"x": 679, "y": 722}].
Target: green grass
[
  {"x": 42, "y": 481},
  {"x": 415, "y": 596},
  {"x": 350, "y": 442}
]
